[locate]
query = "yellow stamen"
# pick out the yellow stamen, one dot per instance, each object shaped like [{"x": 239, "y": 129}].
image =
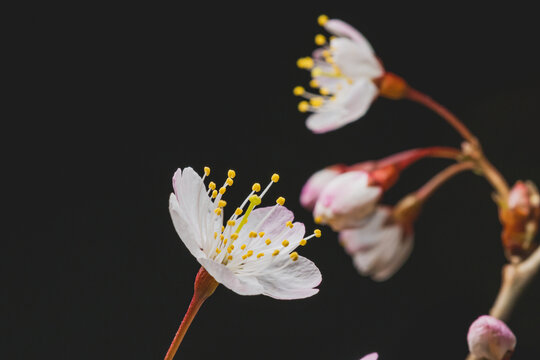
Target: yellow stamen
[
  {"x": 206, "y": 170},
  {"x": 320, "y": 39},
  {"x": 326, "y": 53},
  {"x": 275, "y": 178},
  {"x": 254, "y": 200},
  {"x": 244, "y": 257},
  {"x": 268, "y": 242},
  {"x": 303, "y": 242},
  {"x": 218, "y": 211},
  {"x": 299, "y": 90},
  {"x": 280, "y": 201},
  {"x": 303, "y": 106},
  {"x": 218, "y": 250},
  {"x": 234, "y": 236},
  {"x": 231, "y": 174},
  {"x": 314, "y": 83},
  {"x": 230, "y": 249},
  {"x": 231, "y": 222},
  {"x": 294, "y": 256},
  {"x": 260, "y": 255},
  {"x": 222, "y": 190},
  {"x": 316, "y": 101},
  {"x": 229, "y": 181},
  {"x": 317, "y": 219},
  {"x": 317, "y": 233},
  {"x": 256, "y": 187},
  {"x": 324, "y": 91},
  {"x": 316, "y": 72},
  {"x": 275, "y": 252},
  {"x": 214, "y": 194},
  {"x": 212, "y": 185},
  {"x": 243, "y": 247},
  {"x": 222, "y": 203},
  {"x": 322, "y": 20},
  {"x": 225, "y": 242},
  {"x": 289, "y": 224},
  {"x": 261, "y": 234},
  {"x": 230, "y": 257},
  {"x": 238, "y": 212},
  {"x": 249, "y": 253},
  {"x": 285, "y": 243},
  {"x": 252, "y": 234}
]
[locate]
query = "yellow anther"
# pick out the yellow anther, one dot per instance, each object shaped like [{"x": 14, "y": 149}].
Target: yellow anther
[
  {"x": 275, "y": 178},
  {"x": 294, "y": 256},
  {"x": 212, "y": 185},
  {"x": 303, "y": 242},
  {"x": 222, "y": 190},
  {"x": 260, "y": 255},
  {"x": 275, "y": 252},
  {"x": 214, "y": 194},
  {"x": 215, "y": 235},
  {"x": 305, "y": 63},
  {"x": 314, "y": 83},
  {"x": 225, "y": 242},
  {"x": 285, "y": 243},
  {"x": 230, "y": 249},
  {"x": 221, "y": 237},
  {"x": 333, "y": 98},
  {"x": 252, "y": 234},
  {"x": 299, "y": 90},
  {"x": 238, "y": 212},
  {"x": 316, "y": 72},
  {"x": 326, "y": 53},
  {"x": 261, "y": 234},
  {"x": 222, "y": 228},
  {"x": 322, "y": 20},
  {"x": 218, "y": 250},
  {"x": 256, "y": 187},
  {"x": 231, "y": 222},
  {"x": 206, "y": 170},
  {"x": 231, "y": 174},
  {"x": 316, "y": 101},
  {"x": 324, "y": 91},
  {"x": 229, "y": 181},
  {"x": 218, "y": 211},
  {"x": 303, "y": 106},
  {"x": 320, "y": 39},
  {"x": 244, "y": 257},
  {"x": 230, "y": 257},
  {"x": 267, "y": 242},
  {"x": 317, "y": 233},
  {"x": 243, "y": 247},
  {"x": 249, "y": 253},
  {"x": 289, "y": 224},
  {"x": 280, "y": 201},
  {"x": 332, "y": 37},
  {"x": 317, "y": 219},
  {"x": 234, "y": 236},
  {"x": 222, "y": 203},
  {"x": 330, "y": 60}
]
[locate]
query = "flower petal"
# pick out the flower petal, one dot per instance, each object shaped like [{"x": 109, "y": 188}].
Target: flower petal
[
  {"x": 354, "y": 101},
  {"x": 272, "y": 226},
  {"x": 287, "y": 279},
  {"x": 184, "y": 228},
  {"x": 315, "y": 185},
  {"x": 355, "y": 61},
  {"x": 372, "y": 356},
  {"x": 243, "y": 285},
  {"x": 341, "y": 28},
  {"x": 399, "y": 258}
]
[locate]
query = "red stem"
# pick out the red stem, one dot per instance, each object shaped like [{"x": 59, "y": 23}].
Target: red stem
[
  {"x": 406, "y": 158},
  {"x": 427, "y": 101},
  {"x": 204, "y": 287}
]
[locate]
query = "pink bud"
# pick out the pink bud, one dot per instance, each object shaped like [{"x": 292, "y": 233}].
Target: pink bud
[
  {"x": 372, "y": 356},
  {"x": 316, "y": 183},
  {"x": 491, "y": 339},
  {"x": 347, "y": 200}
]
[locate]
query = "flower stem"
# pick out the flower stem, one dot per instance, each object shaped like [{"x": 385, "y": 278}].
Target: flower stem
[
  {"x": 408, "y": 157},
  {"x": 453, "y": 120},
  {"x": 205, "y": 285}
]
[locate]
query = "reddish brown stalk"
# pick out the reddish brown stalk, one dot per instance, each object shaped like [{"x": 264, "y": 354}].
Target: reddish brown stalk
[
  {"x": 406, "y": 158},
  {"x": 205, "y": 285}
]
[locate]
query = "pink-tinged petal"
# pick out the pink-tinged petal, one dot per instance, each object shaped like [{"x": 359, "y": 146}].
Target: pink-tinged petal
[
  {"x": 489, "y": 338},
  {"x": 355, "y": 61},
  {"x": 315, "y": 184},
  {"x": 184, "y": 228},
  {"x": 287, "y": 279},
  {"x": 400, "y": 257},
  {"x": 272, "y": 225},
  {"x": 243, "y": 285},
  {"x": 341, "y": 28},
  {"x": 351, "y": 104},
  {"x": 191, "y": 194},
  {"x": 372, "y": 356}
]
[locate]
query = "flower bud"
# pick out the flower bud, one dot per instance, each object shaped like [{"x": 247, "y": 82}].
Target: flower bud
[
  {"x": 490, "y": 338},
  {"x": 520, "y": 214},
  {"x": 372, "y": 356},
  {"x": 316, "y": 183},
  {"x": 347, "y": 200}
]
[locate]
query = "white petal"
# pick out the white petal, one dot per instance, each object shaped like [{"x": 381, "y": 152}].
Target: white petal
[
  {"x": 272, "y": 226},
  {"x": 184, "y": 228},
  {"x": 288, "y": 279},
  {"x": 240, "y": 285},
  {"x": 315, "y": 185},
  {"x": 341, "y": 28},
  {"x": 372, "y": 356},
  {"x": 399, "y": 259},
  {"x": 191, "y": 195},
  {"x": 355, "y": 61},
  {"x": 353, "y": 102}
]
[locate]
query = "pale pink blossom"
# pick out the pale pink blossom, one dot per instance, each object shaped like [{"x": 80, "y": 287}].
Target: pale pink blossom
[
  {"x": 346, "y": 200},
  {"x": 489, "y": 338},
  {"x": 250, "y": 254},
  {"x": 316, "y": 183},
  {"x": 372, "y": 356},
  {"x": 380, "y": 246},
  {"x": 344, "y": 69}
]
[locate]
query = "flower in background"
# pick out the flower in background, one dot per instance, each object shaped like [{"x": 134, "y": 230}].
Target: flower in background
[
  {"x": 317, "y": 182},
  {"x": 520, "y": 215},
  {"x": 489, "y": 338},
  {"x": 250, "y": 254},
  {"x": 348, "y": 77},
  {"x": 380, "y": 246},
  {"x": 372, "y": 356}
]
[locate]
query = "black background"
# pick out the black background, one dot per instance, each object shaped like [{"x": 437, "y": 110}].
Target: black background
[{"x": 109, "y": 101}]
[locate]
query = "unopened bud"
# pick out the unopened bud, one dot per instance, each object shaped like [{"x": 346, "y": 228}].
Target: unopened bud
[
  {"x": 490, "y": 338},
  {"x": 316, "y": 183}
]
